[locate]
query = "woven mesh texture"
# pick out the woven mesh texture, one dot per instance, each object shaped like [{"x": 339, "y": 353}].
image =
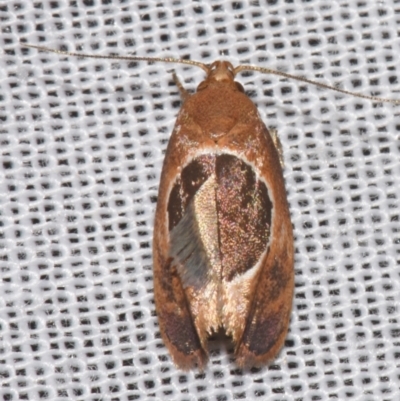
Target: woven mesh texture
[{"x": 82, "y": 144}]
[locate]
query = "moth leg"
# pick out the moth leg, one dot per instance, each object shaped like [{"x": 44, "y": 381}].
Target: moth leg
[
  {"x": 184, "y": 93},
  {"x": 278, "y": 145}
]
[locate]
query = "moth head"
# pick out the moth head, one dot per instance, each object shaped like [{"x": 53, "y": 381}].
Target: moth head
[{"x": 220, "y": 72}]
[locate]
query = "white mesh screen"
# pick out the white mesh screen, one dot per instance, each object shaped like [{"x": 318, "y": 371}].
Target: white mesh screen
[{"x": 82, "y": 145}]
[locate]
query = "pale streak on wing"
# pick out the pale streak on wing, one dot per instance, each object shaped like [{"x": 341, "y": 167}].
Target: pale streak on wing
[{"x": 194, "y": 240}]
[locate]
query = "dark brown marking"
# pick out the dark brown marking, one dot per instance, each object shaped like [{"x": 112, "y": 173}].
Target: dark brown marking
[
  {"x": 195, "y": 174},
  {"x": 186, "y": 186},
  {"x": 170, "y": 281},
  {"x": 178, "y": 324},
  {"x": 181, "y": 332},
  {"x": 262, "y": 335},
  {"x": 243, "y": 206},
  {"x": 278, "y": 281},
  {"x": 244, "y": 215},
  {"x": 175, "y": 206}
]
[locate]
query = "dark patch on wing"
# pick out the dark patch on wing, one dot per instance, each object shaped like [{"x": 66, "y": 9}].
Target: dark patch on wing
[
  {"x": 181, "y": 332},
  {"x": 261, "y": 336},
  {"x": 177, "y": 321},
  {"x": 244, "y": 211},
  {"x": 244, "y": 215},
  {"x": 278, "y": 280},
  {"x": 191, "y": 179}
]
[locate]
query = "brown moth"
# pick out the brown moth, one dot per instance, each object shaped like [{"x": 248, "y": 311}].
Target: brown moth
[{"x": 223, "y": 242}]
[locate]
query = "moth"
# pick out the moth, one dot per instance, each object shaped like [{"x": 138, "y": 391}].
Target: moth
[{"x": 223, "y": 243}]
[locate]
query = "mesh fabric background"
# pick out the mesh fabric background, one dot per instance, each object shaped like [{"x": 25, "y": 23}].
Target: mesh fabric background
[{"x": 82, "y": 144}]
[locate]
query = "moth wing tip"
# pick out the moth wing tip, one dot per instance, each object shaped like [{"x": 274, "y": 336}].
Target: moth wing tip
[
  {"x": 249, "y": 360},
  {"x": 246, "y": 359},
  {"x": 196, "y": 360}
]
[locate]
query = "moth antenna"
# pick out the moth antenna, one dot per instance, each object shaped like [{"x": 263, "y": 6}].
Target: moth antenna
[
  {"x": 264, "y": 70},
  {"x": 120, "y": 58},
  {"x": 206, "y": 68}
]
